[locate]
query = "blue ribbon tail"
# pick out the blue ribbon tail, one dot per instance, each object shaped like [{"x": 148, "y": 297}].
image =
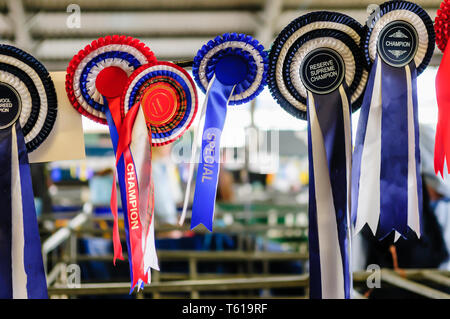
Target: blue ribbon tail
[
  {"x": 121, "y": 181},
  {"x": 387, "y": 186},
  {"x": 22, "y": 272},
  {"x": 394, "y": 152},
  {"x": 329, "y": 142},
  {"x": 208, "y": 168}
]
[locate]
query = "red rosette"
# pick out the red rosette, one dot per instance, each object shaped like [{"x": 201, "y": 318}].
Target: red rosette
[
  {"x": 178, "y": 109},
  {"x": 441, "y": 25},
  {"x": 74, "y": 66}
]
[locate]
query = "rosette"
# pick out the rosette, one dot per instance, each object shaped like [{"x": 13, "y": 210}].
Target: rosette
[
  {"x": 95, "y": 81},
  {"x": 170, "y": 100},
  {"x": 335, "y": 31},
  {"x": 119, "y": 53},
  {"x": 317, "y": 73},
  {"x": 27, "y": 115},
  {"x": 442, "y": 141},
  {"x": 158, "y": 105},
  {"x": 399, "y": 44},
  {"x": 231, "y": 69}
]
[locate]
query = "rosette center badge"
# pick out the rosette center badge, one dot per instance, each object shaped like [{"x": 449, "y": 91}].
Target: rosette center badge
[
  {"x": 398, "y": 43},
  {"x": 322, "y": 71},
  {"x": 10, "y": 105}
]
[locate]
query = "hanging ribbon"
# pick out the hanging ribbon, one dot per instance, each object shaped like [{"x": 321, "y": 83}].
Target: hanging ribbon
[
  {"x": 21, "y": 269},
  {"x": 158, "y": 105},
  {"x": 28, "y": 112},
  {"x": 317, "y": 73},
  {"x": 218, "y": 96},
  {"x": 231, "y": 69},
  {"x": 133, "y": 165},
  {"x": 387, "y": 186},
  {"x": 96, "y": 79},
  {"x": 442, "y": 141},
  {"x": 389, "y": 165},
  {"x": 329, "y": 152}
]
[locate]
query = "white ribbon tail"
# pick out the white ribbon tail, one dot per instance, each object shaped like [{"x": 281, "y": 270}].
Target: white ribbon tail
[
  {"x": 141, "y": 151},
  {"x": 19, "y": 276},
  {"x": 368, "y": 210},
  {"x": 332, "y": 277},
  {"x": 413, "y": 200}
]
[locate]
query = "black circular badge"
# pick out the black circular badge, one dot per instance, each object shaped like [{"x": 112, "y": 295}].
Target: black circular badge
[
  {"x": 322, "y": 71},
  {"x": 397, "y": 43},
  {"x": 10, "y": 105}
]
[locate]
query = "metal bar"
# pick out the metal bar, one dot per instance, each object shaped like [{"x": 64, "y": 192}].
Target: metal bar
[
  {"x": 17, "y": 15},
  {"x": 219, "y": 256},
  {"x": 187, "y": 285},
  {"x": 391, "y": 277},
  {"x": 64, "y": 233},
  {"x": 193, "y": 276},
  {"x": 436, "y": 278}
]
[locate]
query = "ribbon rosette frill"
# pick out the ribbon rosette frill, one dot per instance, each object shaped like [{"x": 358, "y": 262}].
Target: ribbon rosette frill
[
  {"x": 387, "y": 186},
  {"x": 95, "y": 81},
  {"x": 28, "y": 111},
  {"x": 158, "y": 104},
  {"x": 317, "y": 73},
  {"x": 231, "y": 69},
  {"x": 442, "y": 141}
]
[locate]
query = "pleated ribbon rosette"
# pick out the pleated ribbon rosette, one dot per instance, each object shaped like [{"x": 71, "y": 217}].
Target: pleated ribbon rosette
[
  {"x": 230, "y": 70},
  {"x": 317, "y": 73},
  {"x": 95, "y": 81},
  {"x": 158, "y": 105},
  {"x": 387, "y": 185},
  {"x": 28, "y": 109}
]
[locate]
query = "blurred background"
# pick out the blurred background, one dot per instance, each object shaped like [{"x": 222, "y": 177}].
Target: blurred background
[{"x": 259, "y": 247}]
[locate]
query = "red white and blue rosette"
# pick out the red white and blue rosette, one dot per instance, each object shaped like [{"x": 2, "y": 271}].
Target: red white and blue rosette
[
  {"x": 317, "y": 73},
  {"x": 169, "y": 99},
  {"x": 28, "y": 109},
  {"x": 158, "y": 105},
  {"x": 96, "y": 79},
  {"x": 125, "y": 53},
  {"x": 388, "y": 198},
  {"x": 442, "y": 141},
  {"x": 230, "y": 69}
]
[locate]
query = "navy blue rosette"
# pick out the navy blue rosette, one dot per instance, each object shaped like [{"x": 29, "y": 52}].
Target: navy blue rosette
[
  {"x": 387, "y": 186},
  {"x": 281, "y": 84},
  {"x": 231, "y": 69},
  {"x": 28, "y": 109},
  {"x": 317, "y": 72}
]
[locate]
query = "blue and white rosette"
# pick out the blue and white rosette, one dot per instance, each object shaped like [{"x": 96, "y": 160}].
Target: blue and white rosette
[
  {"x": 28, "y": 111},
  {"x": 387, "y": 185},
  {"x": 317, "y": 73},
  {"x": 231, "y": 69}
]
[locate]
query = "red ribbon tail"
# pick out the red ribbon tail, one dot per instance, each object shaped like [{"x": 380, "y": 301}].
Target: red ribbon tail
[
  {"x": 439, "y": 151},
  {"x": 116, "y": 236},
  {"x": 126, "y": 130},
  {"x": 442, "y": 142}
]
